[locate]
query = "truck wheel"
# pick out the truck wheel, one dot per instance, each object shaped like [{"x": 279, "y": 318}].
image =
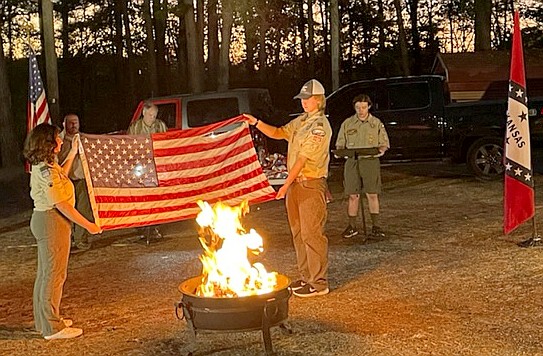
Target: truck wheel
[{"x": 485, "y": 158}]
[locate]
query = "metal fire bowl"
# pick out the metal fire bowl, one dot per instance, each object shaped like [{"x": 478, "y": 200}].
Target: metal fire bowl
[{"x": 235, "y": 314}]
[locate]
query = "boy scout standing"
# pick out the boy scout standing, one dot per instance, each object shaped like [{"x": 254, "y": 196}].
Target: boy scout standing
[
  {"x": 304, "y": 190},
  {"x": 362, "y": 130}
]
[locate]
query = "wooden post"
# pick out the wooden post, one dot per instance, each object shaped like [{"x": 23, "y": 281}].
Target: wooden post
[{"x": 50, "y": 60}]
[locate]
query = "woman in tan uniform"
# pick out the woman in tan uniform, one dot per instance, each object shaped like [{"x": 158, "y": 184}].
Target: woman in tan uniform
[
  {"x": 305, "y": 188},
  {"x": 53, "y": 196}
]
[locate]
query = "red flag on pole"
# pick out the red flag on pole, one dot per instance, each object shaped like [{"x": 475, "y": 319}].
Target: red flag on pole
[{"x": 519, "y": 203}]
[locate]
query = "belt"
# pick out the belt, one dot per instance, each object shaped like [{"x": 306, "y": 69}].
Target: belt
[{"x": 305, "y": 179}]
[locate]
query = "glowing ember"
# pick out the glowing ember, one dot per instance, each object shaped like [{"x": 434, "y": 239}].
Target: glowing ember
[{"x": 227, "y": 271}]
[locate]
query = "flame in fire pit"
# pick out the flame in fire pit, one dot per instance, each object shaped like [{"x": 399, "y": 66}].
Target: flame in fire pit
[{"x": 227, "y": 271}]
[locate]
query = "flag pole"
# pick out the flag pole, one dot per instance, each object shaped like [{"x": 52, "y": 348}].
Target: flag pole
[{"x": 533, "y": 241}]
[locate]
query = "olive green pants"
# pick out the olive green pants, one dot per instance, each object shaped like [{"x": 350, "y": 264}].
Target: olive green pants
[
  {"x": 306, "y": 209},
  {"x": 52, "y": 232},
  {"x": 82, "y": 204}
]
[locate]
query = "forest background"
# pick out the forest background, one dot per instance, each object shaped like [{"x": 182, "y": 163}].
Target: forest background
[{"x": 107, "y": 55}]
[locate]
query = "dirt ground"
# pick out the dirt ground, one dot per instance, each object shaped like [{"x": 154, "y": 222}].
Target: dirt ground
[{"x": 444, "y": 281}]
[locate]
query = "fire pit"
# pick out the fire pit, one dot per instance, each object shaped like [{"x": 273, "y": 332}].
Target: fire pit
[
  {"x": 257, "y": 312},
  {"x": 232, "y": 294}
]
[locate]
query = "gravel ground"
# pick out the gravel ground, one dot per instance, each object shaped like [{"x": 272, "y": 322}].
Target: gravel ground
[{"x": 444, "y": 281}]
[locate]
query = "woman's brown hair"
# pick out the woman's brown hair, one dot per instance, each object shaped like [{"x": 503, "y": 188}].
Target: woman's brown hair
[{"x": 40, "y": 144}]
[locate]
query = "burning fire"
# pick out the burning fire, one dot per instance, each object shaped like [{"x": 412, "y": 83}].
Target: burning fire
[{"x": 227, "y": 271}]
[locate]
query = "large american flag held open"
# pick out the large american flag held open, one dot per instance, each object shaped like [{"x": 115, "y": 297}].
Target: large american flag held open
[
  {"x": 519, "y": 201},
  {"x": 155, "y": 179}
]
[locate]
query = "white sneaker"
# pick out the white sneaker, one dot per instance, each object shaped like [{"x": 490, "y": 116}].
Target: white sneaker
[{"x": 66, "y": 333}]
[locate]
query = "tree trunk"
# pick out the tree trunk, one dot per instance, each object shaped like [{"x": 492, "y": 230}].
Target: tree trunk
[
  {"x": 9, "y": 149},
  {"x": 401, "y": 37},
  {"x": 50, "y": 60},
  {"x": 150, "y": 41},
  {"x": 334, "y": 42},
  {"x": 65, "y": 31},
  {"x": 226, "y": 32},
  {"x": 381, "y": 24},
  {"x": 160, "y": 12},
  {"x": 250, "y": 43},
  {"x": 303, "y": 40},
  {"x": 130, "y": 53},
  {"x": 212, "y": 43},
  {"x": 311, "y": 39},
  {"x": 195, "y": 70},
  {"x": 182, "y": 69},
  {"x": 483, "y": 10},
  {"x": 413, "y": 16},
  {"x": 262, "y": 52}
]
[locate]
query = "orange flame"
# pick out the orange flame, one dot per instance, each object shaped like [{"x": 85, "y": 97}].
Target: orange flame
[{"x": 227, "y": 271}]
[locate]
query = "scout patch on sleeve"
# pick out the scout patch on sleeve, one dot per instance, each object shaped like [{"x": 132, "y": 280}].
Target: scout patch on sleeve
[{"x": 317, "y": 135}]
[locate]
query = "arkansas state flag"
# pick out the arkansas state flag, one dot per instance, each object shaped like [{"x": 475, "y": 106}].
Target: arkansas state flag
[{"x": 519, "y": 204}]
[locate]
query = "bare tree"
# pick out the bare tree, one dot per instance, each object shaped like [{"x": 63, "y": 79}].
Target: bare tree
[
  {"x": 212, "y": 42},
  {"x": 50, "y": 59},
  {"x": 402, "y": 40},
  {"x": 334, "y": 43},
  {"x": 226, "y": 33},
  {"x": 483, "y": 11},
  {"x": 9, "y": 149},
  {"x": 150, "y": 42},
  {"x": 195, "y": 69},
  {"x": 311, "y": 38}
]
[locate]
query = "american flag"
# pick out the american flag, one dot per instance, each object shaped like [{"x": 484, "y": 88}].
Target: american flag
[
  {"x": 139, "y": 180},
  {"x": 37, "y": 108},
  {"x": 519, "y": 202}
]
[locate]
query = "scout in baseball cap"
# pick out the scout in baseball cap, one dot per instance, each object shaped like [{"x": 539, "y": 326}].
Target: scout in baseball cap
[{"x": 310, "y": 88}]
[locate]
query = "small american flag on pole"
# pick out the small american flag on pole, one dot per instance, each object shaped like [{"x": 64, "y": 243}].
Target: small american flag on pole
[
  {"x": 140, "y": 180},
  {"x": 37, "y": 109}
]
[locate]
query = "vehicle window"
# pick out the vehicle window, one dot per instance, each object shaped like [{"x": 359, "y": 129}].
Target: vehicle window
[
  {"x": 408, "y": 96},
  {"x": 208, "y": 111},
  {"x": 166, "y": 113}
]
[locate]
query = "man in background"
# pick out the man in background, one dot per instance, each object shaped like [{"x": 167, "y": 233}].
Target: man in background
[{"x": 80, "y": 236}]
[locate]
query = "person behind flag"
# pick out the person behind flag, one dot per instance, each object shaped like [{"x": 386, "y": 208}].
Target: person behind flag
[
  {"x": 146, "y": 125},
  {"x": 54, "y": 200},
  {"x": 305, "y": 187},
  {"x": 80, "y": 235},
  {"x": 148, "y": 122}
]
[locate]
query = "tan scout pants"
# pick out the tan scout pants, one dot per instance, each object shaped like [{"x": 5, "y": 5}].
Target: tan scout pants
[
  {"x": 52, "y": 232},
  {"x": 306, "y": 210}
]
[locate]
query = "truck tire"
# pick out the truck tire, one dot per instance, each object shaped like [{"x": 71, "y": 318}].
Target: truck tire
[{"x": 485, "y": 158}]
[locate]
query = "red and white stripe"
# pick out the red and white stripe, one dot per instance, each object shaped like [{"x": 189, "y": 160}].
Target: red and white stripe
[{"x": 191, "y": 165}]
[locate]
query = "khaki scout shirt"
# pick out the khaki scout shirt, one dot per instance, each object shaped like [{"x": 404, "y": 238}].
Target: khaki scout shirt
[
  {"x": 309, "y": 136},
  {"x": 76, "y": 172},
  {"x": 139, "y": 127},
  {"x": 50, "y": 186},
  {"x": 356, "y": 133}
]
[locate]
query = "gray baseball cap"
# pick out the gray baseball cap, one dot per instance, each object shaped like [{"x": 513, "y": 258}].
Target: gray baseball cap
[{"x": 310, "y": 88}]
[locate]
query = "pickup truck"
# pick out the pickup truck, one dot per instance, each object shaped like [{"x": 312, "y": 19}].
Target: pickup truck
[
  {"x": 184, "y": 111},
  {"x": 423, "y": 124}
]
